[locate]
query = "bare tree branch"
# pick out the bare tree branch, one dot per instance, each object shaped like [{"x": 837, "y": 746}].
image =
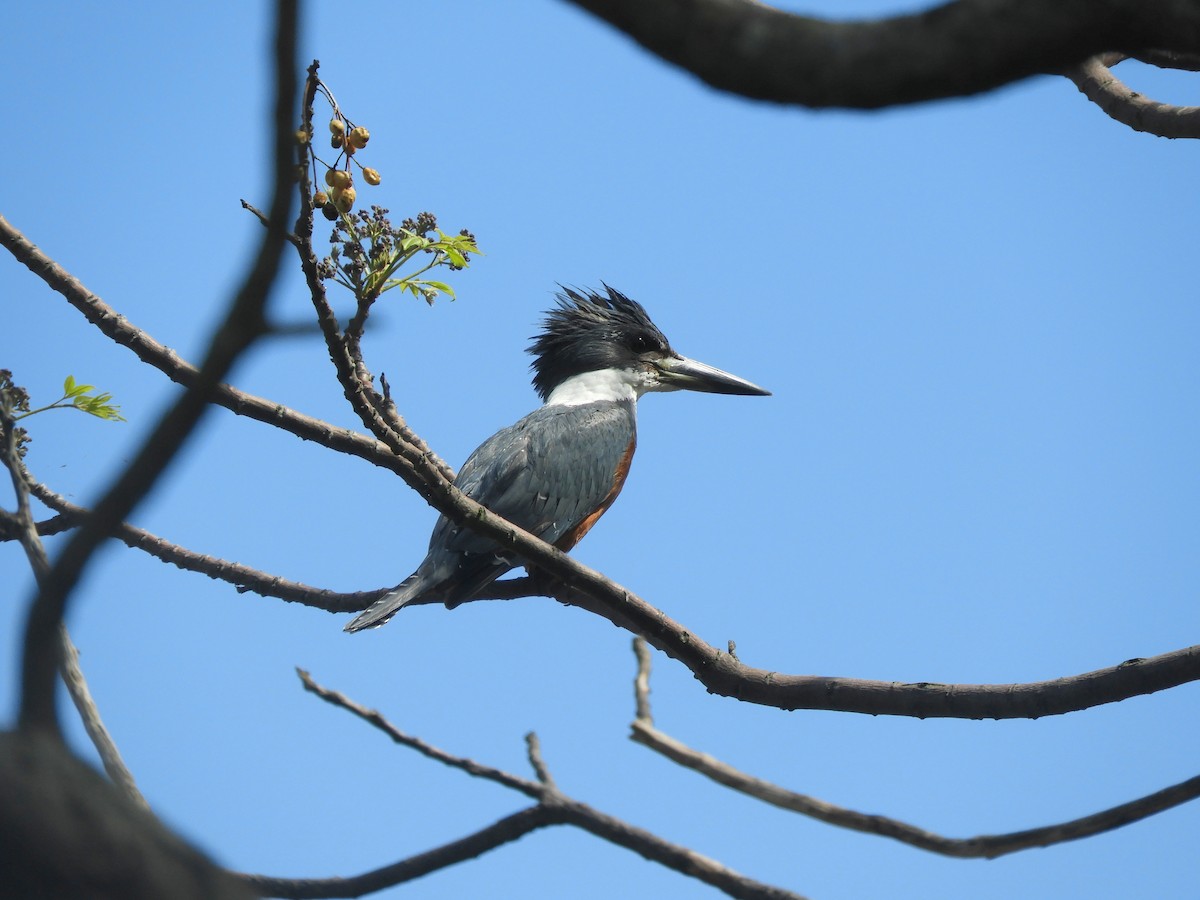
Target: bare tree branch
[
  {"x": 120, "y": 330},
  {"x": 89, "y": 714},
  {"x": 988, "y": 846},
  {"x": 72, "y": 675},
  {"x": 45, "y": 528},
  {"x": 533, "y": 747},
  {"x": 505, "y": 831},
  {"x": 951, "y": 50},
  {"x": 246, "y": 578},
  {"x": 378, "y": 414},
  {"x": 724, "y": 674},
  {"x": 553, "y": 808},
  {"x": 376, "y": 719},
  {"x": 1096, "y": 81},
  {"x": 243, "y": 324}
]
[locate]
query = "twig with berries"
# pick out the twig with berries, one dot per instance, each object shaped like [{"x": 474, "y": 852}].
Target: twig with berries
[{"x": 362, "y": 253}]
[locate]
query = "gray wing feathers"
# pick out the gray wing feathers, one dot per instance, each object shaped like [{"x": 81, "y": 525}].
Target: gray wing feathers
[
  {"x": 546, "y": 473},
  {"x": 559, "y": 465}
]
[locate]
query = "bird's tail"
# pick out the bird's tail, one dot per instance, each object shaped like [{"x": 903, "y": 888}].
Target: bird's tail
[{"x": 385, "y": 607}]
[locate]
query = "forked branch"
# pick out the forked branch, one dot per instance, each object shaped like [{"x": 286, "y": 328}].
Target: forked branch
[
  {"x": 552, "y": 808},
  {"x": 988, "y": 846}
]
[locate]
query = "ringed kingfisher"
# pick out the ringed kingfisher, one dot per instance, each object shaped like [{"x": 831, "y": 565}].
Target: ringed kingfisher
[{"x": 557, "y": 471}]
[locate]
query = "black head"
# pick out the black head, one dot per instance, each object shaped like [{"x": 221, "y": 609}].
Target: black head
[
  {"x": 592, "y": 332},
  {"x": 588, "y": 332}
]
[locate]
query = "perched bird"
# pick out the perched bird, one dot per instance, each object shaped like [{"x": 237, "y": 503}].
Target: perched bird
[{"x": 555, "y": 472}]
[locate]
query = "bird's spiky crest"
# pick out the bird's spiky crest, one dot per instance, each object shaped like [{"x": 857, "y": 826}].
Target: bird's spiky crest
[{"x": 587, "y": 331}]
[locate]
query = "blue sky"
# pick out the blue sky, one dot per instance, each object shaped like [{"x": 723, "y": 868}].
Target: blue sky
[{"x": 979, "y": 322}]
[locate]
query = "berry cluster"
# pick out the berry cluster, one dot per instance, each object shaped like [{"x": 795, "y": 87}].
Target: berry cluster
[{"x": 339, "y": 177}]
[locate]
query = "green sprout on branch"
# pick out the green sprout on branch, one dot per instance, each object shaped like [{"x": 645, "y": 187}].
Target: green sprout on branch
[
  {"x": 80, "y": 397},
  {"x": 369, "y": 252},
  {"x": 14, "y": 406}
]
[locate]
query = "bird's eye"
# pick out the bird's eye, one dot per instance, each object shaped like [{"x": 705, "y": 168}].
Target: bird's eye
[{"x": 644, "y": 343}]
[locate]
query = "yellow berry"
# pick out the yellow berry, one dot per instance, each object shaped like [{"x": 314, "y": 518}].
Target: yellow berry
[
  {"x": 370, "y": 176},
  {"x": 336, "y": 141},
  {"x": 358, "y": 137},
  {"x": 320, "y": 198},
  {"x": 329, "y": 176},
  {"x": 337, "y": 126},
  {"x": 344, "y": 199},
  {"x": 301, "y": 137},
  {"x": 340, "y": 178}
]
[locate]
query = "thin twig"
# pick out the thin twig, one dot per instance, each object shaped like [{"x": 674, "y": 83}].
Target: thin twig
[
  {"x": 375, "y": 718},
  {"x": 89, "y": 714},
  {"x": 533, "y": 748},
  {"x": 641, "y": 681}
]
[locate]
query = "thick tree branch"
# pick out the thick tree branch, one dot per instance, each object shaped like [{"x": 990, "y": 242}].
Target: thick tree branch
[
  {"x": 722, "y": 673},
  {"x": 243, "y": 324},
  {"x": 553, "y": 808},
  {"x": 988, "y": 846},
  {"x": 951, "y": 50},
  {"x": 1096, "y": 81}
]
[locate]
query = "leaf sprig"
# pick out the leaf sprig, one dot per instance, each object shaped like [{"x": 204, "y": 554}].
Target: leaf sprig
[
  {"x": 80, "y": 397},
  {"x": 369, "y": 252}
]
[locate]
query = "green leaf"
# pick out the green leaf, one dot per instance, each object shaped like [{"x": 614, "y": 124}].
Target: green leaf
[
  {"x": 443, "y": 287},
  {"x": 71, "y": 389},
  {"x": 455, "y": 257}
]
